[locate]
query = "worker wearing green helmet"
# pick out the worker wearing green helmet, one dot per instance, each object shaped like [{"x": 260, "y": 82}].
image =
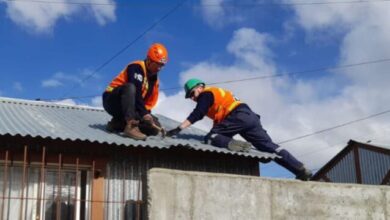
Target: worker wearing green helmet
[{"x": 231, "y": 117}]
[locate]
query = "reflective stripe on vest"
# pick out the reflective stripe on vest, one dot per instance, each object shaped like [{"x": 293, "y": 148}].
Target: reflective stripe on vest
[
  {"x": 224, "y": 103},
  {"x": 122, "y": 78}
]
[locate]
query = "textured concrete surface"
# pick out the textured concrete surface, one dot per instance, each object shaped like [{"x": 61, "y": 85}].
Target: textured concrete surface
[{"x": 195, "y": 195}]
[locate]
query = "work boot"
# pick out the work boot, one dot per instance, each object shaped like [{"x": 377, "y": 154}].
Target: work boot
[
  {"x": 148, "y": 129},
  {"x": 304, "y": 174},
  {"x": 132, "y": 130},
  {"x": 239, "y": 146},
  {"x": 115, "y": 125}
]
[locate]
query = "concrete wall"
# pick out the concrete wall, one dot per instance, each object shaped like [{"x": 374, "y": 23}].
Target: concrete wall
[{"x": 195, "y": 195}]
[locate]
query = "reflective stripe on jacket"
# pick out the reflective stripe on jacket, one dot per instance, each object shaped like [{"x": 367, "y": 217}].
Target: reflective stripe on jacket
[
  {"x": 122, "y": 78},
  {"x": 224, "y": 103}
]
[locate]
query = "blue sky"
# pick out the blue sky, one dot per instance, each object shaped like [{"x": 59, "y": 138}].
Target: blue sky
[
  {"x": 49, "y": 51},
  {"x": 76, "y": 44}
]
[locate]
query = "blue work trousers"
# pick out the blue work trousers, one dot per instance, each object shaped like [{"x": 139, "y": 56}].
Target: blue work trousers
[{"x": 245, "y": 122}]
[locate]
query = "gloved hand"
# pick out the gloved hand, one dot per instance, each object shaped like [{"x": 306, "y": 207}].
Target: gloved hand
[
  {"x": 148, "y": 119},
  {"x": 173, "y": 132}
]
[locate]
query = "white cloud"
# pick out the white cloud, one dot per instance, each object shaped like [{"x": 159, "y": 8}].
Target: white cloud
[
  {"x": 213, "y": 15},
  {"x": 251, "y": 47},
  {"x": 366, "y": 34},
  {"x": 291, "y": 107},
  {"x": 68, "y": 102},
  {"x": 365, "y": 29},
  {"x": 97, "y": 101},
  {"x": 41, "y": 17},
  {"x": 51, "y": 83},
  {"x": 58, "y": 79},
  {"x": 72, "y": 102},
  {"x": 103, "y": 14},
  {"x": 331, "y": 16},
  {"x": 18, "y": 86},
  {"x": 216, "y": 15}
]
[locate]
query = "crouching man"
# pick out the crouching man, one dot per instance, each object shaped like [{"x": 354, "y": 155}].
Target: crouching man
[{"x": 132, "y": 94}]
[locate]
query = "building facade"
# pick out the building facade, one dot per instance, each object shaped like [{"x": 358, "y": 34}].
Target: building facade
[
  {"x": 360, "y": 163},
  {"x": 58, "y": 162}
]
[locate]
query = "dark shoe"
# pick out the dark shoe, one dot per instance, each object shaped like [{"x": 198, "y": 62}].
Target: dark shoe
[
  {"x": 148, "y": 128},
  {"x": 239, "y": 146},
  {"x": 304, "y": 174},
  {"x": 132, "y": 130},
  {"x": 115, "y": 125}
]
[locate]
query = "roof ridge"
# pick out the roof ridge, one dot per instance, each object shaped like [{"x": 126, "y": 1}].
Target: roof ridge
[{"x": 48, "y": 104}]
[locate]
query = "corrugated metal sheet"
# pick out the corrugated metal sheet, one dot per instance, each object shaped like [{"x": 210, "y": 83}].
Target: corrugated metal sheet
[
  {"x": 56, "y": 121},
  {"x": 374, "y": 166},
  {"x": 379, "y": 144},
  {"x": 344, "y": 171},
  {"x": 125, "y": 175}
]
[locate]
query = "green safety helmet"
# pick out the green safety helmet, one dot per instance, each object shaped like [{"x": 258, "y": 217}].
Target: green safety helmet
[{"x": 191, "y": 84}]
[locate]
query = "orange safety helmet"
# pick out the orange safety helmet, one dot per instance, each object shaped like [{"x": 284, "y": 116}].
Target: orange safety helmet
[{"x": 158, "y": 53}]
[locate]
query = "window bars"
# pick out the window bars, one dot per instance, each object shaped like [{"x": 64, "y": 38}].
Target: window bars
[{"x": 38, "y": 190}]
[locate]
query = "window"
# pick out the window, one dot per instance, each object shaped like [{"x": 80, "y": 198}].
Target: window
[
  {"x": 58, "y": 192},
  {"x": 124, "y": 190}
]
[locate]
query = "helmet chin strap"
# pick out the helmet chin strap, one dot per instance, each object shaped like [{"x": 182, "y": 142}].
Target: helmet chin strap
[
  {"x": 147, "y": 65},
  {"x": 147, "y": 61}
]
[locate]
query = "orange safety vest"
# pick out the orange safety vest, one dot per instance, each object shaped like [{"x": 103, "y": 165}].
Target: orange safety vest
[
  {"x": 121, "y": 79},
  {"x": 224, "y": 103}
]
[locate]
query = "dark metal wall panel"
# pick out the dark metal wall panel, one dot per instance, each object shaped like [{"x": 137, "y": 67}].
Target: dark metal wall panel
[
  {"x": 122, "y": 185},
  {"x": 374, "y": 166},
  {"x": 125, "y": 176},
  {"x": 344, "y": 171}
]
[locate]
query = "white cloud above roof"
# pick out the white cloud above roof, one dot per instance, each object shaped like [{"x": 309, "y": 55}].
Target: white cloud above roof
[
  {"x": 41, "y": 17},
  {"x": 291, "y": 107},
  {"x": 17, "y": 86},
  {"x": 53, "y": 83},
  {"x": 60, "y": 79},
  {"x": 215, "y": 14}
]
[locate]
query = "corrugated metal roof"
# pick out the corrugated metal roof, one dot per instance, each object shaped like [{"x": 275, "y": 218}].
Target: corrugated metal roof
[
  {"x": 379, "y": 145},
  {"x": 66, "y": 122}
]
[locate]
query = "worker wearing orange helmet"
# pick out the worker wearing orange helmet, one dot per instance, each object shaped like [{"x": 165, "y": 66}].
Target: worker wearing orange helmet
[{"x": 133, "y": 93}]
